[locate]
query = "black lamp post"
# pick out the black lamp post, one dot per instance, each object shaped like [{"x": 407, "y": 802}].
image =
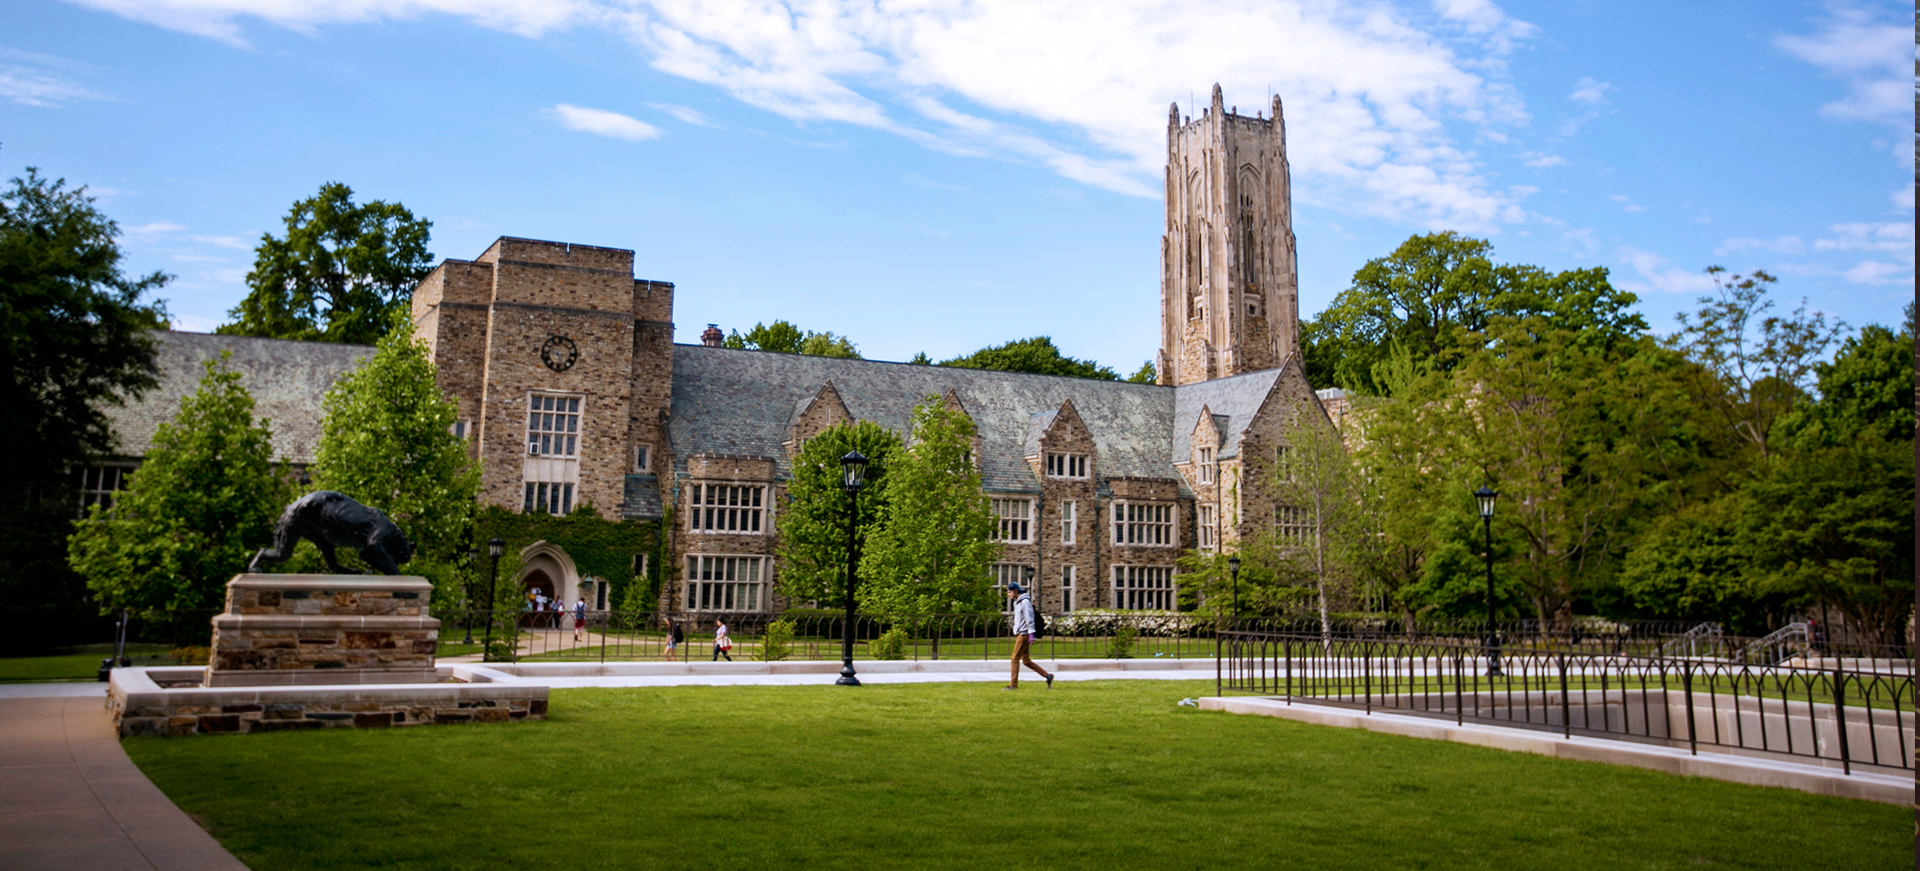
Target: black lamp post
[
  {"x": 855, "y": 468},
  {"x": 472, "y": 555},
  {"x": 495, "y": 547},
  {"x": 1486, "y": 496},
  {"x": 1233, "y": 568}
]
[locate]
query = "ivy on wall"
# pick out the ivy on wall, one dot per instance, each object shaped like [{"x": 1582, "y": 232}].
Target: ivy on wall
[{"x": 600, "y": 548}]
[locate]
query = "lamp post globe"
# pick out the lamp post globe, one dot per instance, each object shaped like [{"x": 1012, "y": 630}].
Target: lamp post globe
[
  {"x": 853, "y": 467},
  {"x": 1486, "y": 497},
  {"x": 1233, "y": 568},
  {"x": 495, "y": 548}
]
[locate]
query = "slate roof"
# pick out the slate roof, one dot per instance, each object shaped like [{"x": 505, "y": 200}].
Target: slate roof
[
  {"x": 287, "y": 380},
  {"x": 642, "y": 498},
  {"x": 728, "y": 401},
  {"x": 1237, "y": 399}
]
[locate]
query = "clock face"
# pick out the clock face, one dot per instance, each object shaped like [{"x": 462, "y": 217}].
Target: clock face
[{"x": 559, "y": 353}]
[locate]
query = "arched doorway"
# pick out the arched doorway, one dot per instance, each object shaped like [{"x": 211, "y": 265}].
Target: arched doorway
[
  {"x": 546, "y": 566},
  {"x": 536, "y": 582}
]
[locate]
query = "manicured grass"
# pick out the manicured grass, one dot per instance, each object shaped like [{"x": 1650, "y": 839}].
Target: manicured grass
[
  {"x": 1099, "y": 775},
  {"x": 84, "y": 665}
]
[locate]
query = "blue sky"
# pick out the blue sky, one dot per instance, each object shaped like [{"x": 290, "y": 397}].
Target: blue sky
[{"x": 940, "y": 175}]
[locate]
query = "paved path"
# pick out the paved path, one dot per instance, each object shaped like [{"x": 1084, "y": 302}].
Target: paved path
[{"x": 71, "y": 800}]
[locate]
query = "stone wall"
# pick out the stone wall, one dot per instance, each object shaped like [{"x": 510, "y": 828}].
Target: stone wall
[{"x": 323, "y": 629}]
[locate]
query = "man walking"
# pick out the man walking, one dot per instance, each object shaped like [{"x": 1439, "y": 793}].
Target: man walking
[{"x": 1023, "y": 634}]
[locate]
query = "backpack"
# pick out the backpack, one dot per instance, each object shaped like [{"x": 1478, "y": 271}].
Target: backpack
[{"x": 1039, "y": 622}]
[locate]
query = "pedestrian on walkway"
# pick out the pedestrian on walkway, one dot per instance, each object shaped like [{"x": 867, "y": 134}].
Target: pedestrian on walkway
[
  {"x": 722, "y": 642},
  {"x": 579, "y": 619},
  {"x": 1023, "y": 634},
  {"x": 673, "y": 639}
]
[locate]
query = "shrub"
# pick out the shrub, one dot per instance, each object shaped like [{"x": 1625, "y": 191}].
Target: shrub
[
  {"x": 777, "y": 643},
  {"x": 191, "y": 655},
  {"x": 892, "y": 644},
  {"x": 1103, "y": 621},
  {"x": 1120, "y": 643}
]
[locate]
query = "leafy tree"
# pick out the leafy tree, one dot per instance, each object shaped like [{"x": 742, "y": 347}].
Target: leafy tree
[
  {"x": 387, "y": 441},
  {"x": 785, "y": 338},
  {"x": 1761, "y": 364},
  {"x": 1835, "y": 526},
  {"x": 1146, "y": 374},
  {"x": 1867, "y": 391},
  {"x": 204, "y": 500},
  {"x": 1318, "y": 479},
  {"x": 76, "y": 333},
  {"x": 1438, "y": 288},
  {"x": 342, "y": 272},
  {"x": 1695, "y": 564},
  {"x": 813, "y": 522},
  {"x": 934, "y": 542},
  {"x": 1037, "y": 355}
]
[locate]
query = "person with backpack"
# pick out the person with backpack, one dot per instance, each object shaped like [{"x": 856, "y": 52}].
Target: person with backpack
[
  {"x": 579, "y": 618},
  {"x": 1026, "y": 628},
  {"x": 673, "y": 639}
]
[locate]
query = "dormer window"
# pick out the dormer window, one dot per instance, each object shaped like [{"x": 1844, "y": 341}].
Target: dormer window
[{"x": 1066, "y": 465}]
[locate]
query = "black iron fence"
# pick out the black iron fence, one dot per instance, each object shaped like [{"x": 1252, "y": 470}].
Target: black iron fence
[{"x": 1849, "y": 711}]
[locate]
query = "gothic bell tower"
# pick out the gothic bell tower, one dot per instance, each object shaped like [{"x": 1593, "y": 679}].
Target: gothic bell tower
[{"x": 1229, "y": 300}]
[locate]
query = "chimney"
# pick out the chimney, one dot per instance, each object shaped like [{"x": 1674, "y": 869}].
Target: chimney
[{"x": 711, "y": 338}]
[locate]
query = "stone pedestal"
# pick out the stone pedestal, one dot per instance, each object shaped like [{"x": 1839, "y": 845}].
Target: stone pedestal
[{"x": 301, "y": 630}]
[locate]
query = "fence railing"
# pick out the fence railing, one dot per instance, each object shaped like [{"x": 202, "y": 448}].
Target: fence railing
[{"x": 1849, "y": 712}]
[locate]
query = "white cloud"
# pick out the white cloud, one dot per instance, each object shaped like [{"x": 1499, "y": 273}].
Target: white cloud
[
  {"x": 1372, "y": 87},
  {"x": 1876, "y": 272},
  {"x": 1871, "y": 52},
  {"x": 220, "y": 19},
  {"x": 1657, "y": 274},
  {"x": 1543, "y": 161},
  {"x": 685, "y": 115},
  {"x": 1896, "y": 236},
  {"x": 1781, "y": 245},
  {"x": 601, "y": 122},
  {"x": 234, "y": 242},
  {"x": 1903, "y": 198},
  {"x": 31, "y": 87},
  {"x": 152, "y": 231},
  {"x": 1589, "y": 91},
  {"x": 1634, "y": 208},
  {"x": 1618, "y": 198}
]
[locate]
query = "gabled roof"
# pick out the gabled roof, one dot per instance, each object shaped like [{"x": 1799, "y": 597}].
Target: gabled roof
[
  {"x": 287, "y": 380},
  {"x": 1236, "y": 399},
  {"x": 728, "y": 401}
]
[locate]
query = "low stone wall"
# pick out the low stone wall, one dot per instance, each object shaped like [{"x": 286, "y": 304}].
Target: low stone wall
[{"x": 153, "y": 701}]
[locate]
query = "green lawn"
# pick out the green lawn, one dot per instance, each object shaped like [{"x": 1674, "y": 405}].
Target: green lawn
[
  {"x": 84, "y": 665},
  {"x": 1099, "y": 775}
]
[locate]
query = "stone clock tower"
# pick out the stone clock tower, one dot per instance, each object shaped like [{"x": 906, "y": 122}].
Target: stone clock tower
[
  {"x": 561, "y": 364},
  {"x": 1229, "y": 300}
]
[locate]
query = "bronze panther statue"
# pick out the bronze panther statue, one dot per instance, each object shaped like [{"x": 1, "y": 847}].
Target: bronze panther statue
[{"x": 330, "y": 520}]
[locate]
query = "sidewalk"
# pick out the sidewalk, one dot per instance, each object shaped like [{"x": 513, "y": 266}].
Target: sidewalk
[{"x": 71, "y": 800}]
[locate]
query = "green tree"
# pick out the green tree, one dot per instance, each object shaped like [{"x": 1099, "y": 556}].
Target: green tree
[
  {"x": 1037, "y": 355},
  {"x": 76, "y": 334},
  {"x": 387, "y": 441},
  {"x": 1866, "y": 391},
  {"x": 1147, "y": 374},
  {"x": 784, "y": 338},
  {"x": 1436, "y": 288},
  {"x": 204, "y": 500},
  {"x": 930, "y": 553},
  {"x": 1317, "y": 478},
  {"x": 813, "y": 521},
  {"x": 342, "y": 272},
  {"x": 1760, "y": 364}
]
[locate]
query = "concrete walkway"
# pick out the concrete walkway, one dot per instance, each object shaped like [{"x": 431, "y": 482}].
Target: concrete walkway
[{"x": 70, "y": 799}]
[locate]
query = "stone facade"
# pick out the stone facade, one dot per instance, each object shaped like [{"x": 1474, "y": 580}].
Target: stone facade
[{"x": 1229, "y": 296}]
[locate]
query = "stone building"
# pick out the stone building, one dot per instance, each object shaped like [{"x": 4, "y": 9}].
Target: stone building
[{"x": 572, "y": 392}]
